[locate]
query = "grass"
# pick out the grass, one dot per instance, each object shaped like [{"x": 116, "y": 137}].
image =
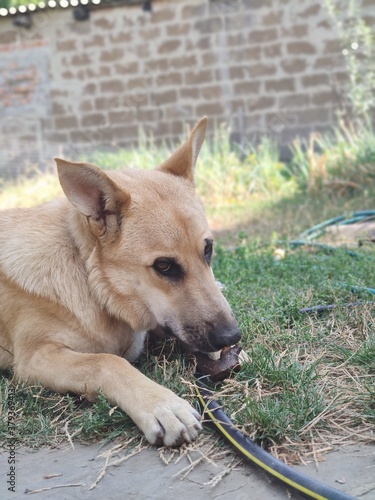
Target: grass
[
  {"x": 310, "y": 382},
  {"x": 305, "y": 369},
  {"x": 27, "y": 192},
  {"x": 342, "y": 160}
]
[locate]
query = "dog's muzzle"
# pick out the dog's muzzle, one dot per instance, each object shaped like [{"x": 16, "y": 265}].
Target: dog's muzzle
[{"x": 214, "y": 338}]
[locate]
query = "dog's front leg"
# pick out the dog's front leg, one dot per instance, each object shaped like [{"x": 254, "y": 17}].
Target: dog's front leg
[{"x": 164, "y": 417}]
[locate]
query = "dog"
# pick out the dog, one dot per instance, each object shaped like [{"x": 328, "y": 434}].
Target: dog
[{"x": 83, "y": 278}]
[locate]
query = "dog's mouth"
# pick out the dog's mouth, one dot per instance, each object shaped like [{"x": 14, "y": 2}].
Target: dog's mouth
[
  {"x": 192, "y": 343},
  {"x": 200, "y": 345},
  {"x": 220, "y": 364},
  {"x": 217, "y": 364}
]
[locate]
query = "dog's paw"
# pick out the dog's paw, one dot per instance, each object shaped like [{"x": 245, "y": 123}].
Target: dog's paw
[{"x": 170, "y": 421}]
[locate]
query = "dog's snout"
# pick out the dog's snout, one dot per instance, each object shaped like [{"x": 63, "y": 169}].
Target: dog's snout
[{"x": 223, "y": 336}]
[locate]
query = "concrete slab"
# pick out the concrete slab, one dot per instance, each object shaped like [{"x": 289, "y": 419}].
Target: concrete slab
[{"x": 145, "y": 476}]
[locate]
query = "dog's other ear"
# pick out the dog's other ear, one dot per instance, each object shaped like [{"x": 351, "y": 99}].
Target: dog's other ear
[
  {"x": 183, "y": 160},
  {"x": 91, "y": 191}
]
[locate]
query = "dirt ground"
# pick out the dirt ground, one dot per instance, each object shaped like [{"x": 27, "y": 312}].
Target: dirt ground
[{"x": 146, "y": 476}]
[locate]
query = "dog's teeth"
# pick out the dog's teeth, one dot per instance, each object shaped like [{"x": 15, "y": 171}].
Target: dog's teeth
[{"x": 215, "y": 355}]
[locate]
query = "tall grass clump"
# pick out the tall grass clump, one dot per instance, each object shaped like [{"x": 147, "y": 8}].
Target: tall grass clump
[
  {"x": 145, "y": 154},
  {"x": 225, "y": 174},
  {"x": 344, "y": 160},
  {"x": 341, "y": 161}
]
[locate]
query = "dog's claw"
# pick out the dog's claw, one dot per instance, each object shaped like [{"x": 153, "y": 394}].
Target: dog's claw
[
  {"x": 185, "y": 436},
  {"x": 171, "y": 423},
  {"x": 197, "y": 415},
  {"x": 198, "y": 426}
]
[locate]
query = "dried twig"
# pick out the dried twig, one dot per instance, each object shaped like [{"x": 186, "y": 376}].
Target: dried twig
[
  {"x": 31, "y": 492},
  {"x": 109, "y": 454},
  {"x": 216, "y": 479},
  {"x": 68, "y": 435}
]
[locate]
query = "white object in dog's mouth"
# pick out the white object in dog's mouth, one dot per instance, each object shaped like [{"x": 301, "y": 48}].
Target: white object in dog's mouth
[
  {"x": 214, "y": 355},
  {"x": 242, "y": 356}
]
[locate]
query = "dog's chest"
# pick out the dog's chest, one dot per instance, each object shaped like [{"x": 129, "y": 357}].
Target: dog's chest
[
  {"x": 125, "y": 342},
  {"x": 109, "y": 336}
]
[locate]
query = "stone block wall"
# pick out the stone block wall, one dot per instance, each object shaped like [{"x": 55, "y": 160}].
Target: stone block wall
[{"x": 261, "y": 66}]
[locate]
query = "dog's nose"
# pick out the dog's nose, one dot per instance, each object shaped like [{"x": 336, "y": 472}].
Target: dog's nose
[{"x": 223, "y": 336}]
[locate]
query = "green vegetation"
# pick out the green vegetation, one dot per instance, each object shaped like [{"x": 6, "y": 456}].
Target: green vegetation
[
  {"x": 342, "y": 161},
  {"x": 310, "y": 382},
  {"x": 358, "y": 47},
  {"x": 16, "y": 3}
]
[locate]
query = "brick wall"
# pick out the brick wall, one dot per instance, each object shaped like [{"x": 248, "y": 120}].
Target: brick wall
[{"x": 261, "y": 66}]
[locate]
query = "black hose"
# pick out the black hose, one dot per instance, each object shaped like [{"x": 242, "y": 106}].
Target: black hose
[
  {"x": 244, "y": 446},
  {"x": 320, "y": 309}
]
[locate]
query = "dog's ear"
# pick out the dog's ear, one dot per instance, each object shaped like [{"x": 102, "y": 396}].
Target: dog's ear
[
  {"x": 93, "y": 193},
  {"x": 183, "y": 160}
]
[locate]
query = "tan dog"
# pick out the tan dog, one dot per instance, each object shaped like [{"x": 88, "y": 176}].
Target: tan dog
[{"x": 82, "y": 279}]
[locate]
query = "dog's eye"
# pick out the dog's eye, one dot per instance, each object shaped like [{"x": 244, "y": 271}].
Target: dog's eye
[
  {"x": 208, "y": 251},
  {"x": 168, "y": 268},
  {"x": 162, "y": 266}
]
